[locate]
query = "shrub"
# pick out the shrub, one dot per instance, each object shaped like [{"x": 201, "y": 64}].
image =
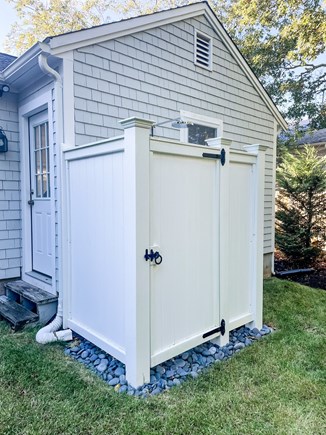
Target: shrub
[{"x": 301, "y": 205}]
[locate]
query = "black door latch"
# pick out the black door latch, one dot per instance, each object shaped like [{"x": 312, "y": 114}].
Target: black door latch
[
  {"x": 220, "y": 329},
  {"x": 216, "y": 156},
  {"x": 153, "y": 256}
]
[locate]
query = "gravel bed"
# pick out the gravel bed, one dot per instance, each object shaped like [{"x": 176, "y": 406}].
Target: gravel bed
[{"x": 166, "y": 375}]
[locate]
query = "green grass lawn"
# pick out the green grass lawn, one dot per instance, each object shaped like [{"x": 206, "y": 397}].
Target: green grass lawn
[{"x": 275, "y": 386}]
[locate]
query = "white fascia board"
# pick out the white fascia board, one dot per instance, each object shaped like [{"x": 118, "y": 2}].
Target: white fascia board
[
  {"x": 71, "y": 41},
  {"x": 242, "y": 62},
  {"x": 95, "y": 35},
  {"x": 62, "y": 43},
  {"x": 22, "y": 62}
]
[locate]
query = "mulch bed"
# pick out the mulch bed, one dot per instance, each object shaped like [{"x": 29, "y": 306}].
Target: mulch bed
[{"x": 316, "y": 279}]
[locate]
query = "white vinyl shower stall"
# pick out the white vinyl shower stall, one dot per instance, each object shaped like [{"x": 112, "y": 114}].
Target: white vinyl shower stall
[{"x": 162, "y": 244}]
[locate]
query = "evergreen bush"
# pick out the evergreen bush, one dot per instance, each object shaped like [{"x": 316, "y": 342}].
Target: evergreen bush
[{"x": 301, "y": 205}]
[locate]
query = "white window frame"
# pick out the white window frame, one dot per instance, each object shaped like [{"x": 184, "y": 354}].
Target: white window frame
[
  {"x": 210, "y": 66},
  {"x": 204, "y": 120}
]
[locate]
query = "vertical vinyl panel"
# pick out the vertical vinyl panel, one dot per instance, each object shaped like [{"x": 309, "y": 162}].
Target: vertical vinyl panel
[
  {"x": 241, "y": 239},
  {"x": 97, "y": 259},
  {"x": 184, "y": 222}
]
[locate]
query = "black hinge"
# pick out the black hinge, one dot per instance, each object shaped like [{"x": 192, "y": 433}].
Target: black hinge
[
  {"x": 221, "y": 329},
  {"x": 216, "y": 156}
]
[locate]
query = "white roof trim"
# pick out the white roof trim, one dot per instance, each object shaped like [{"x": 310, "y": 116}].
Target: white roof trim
[
  {"x": 21, "y": 62},
  {"x": 94, "y": 35},
  {"x": 243, "y": 63},
  {"x": 74, "y": 40}
]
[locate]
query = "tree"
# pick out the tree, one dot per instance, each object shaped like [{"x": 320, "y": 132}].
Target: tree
[
  {"x": 301, "y": 205},
  {"x": 131, "y": 8},
  {"x": 283, "y": 41},
  {"x": 38, "y": 19}
]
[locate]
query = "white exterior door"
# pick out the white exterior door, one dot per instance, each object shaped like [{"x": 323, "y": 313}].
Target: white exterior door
[
  {"x": 40, "y": 194},
  {"x": 184, "y": 230}
]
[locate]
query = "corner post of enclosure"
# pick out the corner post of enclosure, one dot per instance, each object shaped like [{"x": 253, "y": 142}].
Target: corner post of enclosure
[
  {"x": 224, "y": 235},
  {"x": 258, "y": 273},
  {"x": 137, "y": 274}
]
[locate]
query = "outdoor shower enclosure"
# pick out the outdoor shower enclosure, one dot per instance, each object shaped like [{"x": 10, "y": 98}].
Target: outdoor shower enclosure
[{"x": 162, "y": 244}]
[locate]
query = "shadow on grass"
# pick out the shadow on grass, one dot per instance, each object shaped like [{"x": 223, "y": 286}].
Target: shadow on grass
[{"x": 277, "y": 385}]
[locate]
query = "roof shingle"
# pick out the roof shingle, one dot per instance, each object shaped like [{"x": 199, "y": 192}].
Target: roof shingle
[
  {"x": 5, "y": 60},
  {"x": 318, "y": 136}
]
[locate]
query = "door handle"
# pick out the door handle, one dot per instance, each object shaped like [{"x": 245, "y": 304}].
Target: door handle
[
  {"x": 31, "y": 201},
  {"x": 155, "y": 257}
]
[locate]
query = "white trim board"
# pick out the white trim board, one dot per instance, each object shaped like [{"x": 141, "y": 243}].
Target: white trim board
[
  {"x": 58, "y": 45},
  {"x": 71, "y": 41},
  {"x": 105, "y": 32},
  {"x": 201, "y": 120},
  {"x": 40, "y": 103}
]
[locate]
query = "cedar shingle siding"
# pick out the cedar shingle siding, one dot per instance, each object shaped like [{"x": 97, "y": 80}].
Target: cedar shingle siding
[
  {"x": 152, "y": 74},
  {"x": 10, "y": 218}
]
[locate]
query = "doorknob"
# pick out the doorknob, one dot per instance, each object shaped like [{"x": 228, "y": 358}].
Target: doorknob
[{"x": 31, "y": 201}]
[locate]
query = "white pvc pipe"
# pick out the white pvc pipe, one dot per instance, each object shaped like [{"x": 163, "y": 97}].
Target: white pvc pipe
[{"x": 52, "y": 331}]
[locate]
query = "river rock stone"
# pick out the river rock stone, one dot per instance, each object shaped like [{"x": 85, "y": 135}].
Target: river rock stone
[
  {"x": 114, "y": 382},
  {"x": 180, "y": 362},
  {"x": 119, "y": 371},
  {"x": 102, "y": 367},
  {"x": 169, "y": 373}
]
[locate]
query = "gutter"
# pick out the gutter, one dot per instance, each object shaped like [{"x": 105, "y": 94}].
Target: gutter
[
  {"x": 24, "y": 59},
  {"x": 40, "y": 52},
  {"x": 53, "y": 332}
]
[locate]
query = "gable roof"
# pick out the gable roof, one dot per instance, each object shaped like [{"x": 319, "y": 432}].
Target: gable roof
[
  {"x": 318, "y": 136},
  {"x": 5, "y": 60},
  {"x": 60, "y": 44}
]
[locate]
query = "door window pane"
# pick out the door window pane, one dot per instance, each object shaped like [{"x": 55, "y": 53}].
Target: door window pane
[
  {"x": 38, "y": 186},
  {"x": 45, "y": 185},
  {"x": 44, "y": 165},
  {"x": 41, "y": 159},
  {"x": 43, "y": 135},
  {"x": 37, "y": 137},
  {"x": 199, "y": 133},
  {"x": 37, "y": 162}
]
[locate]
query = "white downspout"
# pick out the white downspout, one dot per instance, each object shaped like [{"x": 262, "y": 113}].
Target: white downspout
[{"x": 52, "y": 332}]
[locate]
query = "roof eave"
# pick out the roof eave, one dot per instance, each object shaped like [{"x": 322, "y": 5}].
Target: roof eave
[
  {"x": 249, "y": 72},
  {"x": 22, "y": 62},
  {"x": 60, "y": 44},
  {"x": 71, "y": 41}
]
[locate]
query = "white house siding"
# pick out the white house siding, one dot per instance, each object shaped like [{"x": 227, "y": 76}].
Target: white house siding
[
  {"x": 152, "y": 74},
  {"x": 10, "y": 217}
]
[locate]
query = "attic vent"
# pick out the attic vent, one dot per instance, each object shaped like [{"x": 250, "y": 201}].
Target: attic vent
[{"x": 203, "y": 50}]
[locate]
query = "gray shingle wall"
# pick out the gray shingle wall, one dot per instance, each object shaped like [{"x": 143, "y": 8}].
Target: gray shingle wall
[
  {"x": 152, "y": 74},
  {"x": 10, "y": 218}
]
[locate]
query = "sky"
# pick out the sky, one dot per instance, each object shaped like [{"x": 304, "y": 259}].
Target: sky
[{"x": 8, "y": 16}]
